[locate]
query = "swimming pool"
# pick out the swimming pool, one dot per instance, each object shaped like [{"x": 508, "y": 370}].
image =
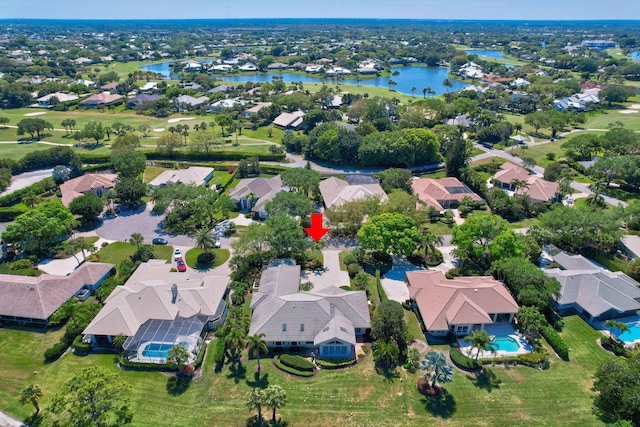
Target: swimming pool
[
  {"x": 157, "y": 350},
  {"x": 633, "y": 334},
  {"x": 505, "y": 343}
]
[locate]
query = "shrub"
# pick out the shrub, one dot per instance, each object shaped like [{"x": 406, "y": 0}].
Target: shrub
[
  {"x": 537, "y": 359},
  {"x": 350, "y": 259},
  {"x": 335, "y": 363},
  {"x": 462, "y": 361},
  {"x": 290, "y": 370},
  {"x": 353, "y": 269},
  {"x": 200, "y": 358},
  {"x": 555, "y": 341},
  {"x": 206, "y": 258},
  {"x": 434, "y": 258},
  {"x": 296, "y": 362},
  {"x": 79, "y": 346},
  {"x": 218, "y": 352},
  {"x": 55, "y": 351}
]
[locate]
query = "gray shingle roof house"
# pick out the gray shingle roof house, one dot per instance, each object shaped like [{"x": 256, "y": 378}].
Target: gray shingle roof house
[
  {"x": 330, "y": 320},
  {"x": 336, "y": 191},
  {"x": 255, "y": 193},
  {"x": 597, "y": 293},
  {"x": 33, "y": 300},
  {"x": 194, "y": 175}
]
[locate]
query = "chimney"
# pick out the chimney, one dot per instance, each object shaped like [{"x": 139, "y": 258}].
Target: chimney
[{"x": 174, "y": 293}]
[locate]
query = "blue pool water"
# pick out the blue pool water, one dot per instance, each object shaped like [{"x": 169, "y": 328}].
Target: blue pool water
[
  {"x": 505, "y": 343},
  {"x": 635, "y": 55},
  {"x": 157, "y": 350},
  {"x": 491, "y": 53},
  {"x": 632, "y": 334}
]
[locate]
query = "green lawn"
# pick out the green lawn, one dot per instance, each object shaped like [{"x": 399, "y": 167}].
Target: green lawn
[
  {"x": 115, "y": 252},
  {"x": 356, "y": 396},
  {"x": 191, "y": 258},
  {"x": 18, "y": 151},
  {"x": 152, "y": 172},
  {"x": 601, "y": 120}
]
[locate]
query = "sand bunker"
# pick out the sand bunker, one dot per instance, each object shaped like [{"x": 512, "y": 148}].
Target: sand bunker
[
  {"x": 35, "y": 114},
  {"x": 159, "y": 130},
  {"x": 180, "y": 119},
  {"x": 635, "y": 107},
  {"x": 628, "y": 111}
]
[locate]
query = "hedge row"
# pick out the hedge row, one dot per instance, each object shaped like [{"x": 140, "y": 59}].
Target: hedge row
[
  {"x": 36, "y": 188},
  {"x": 55, "y": 351},
  {"x": 218, "y": 353},
  {"x": 335, "y": 364},
  {"x": 462, "y": 361},
  {"x": 555, "y": 341},
  {"x": 98, "y": 167},
  {"x": 296, "y": 362},
  {"x": 187, "y": 156},
  {"x": 289, "y": 370},
  {"x": 11, "y": 212},
  {"x": 128, "y": 364},
  {"x": 79, "y": 346},
  {"x": 538, "y": 359}
]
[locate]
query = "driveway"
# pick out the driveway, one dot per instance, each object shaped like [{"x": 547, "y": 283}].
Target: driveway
[
  {"x": 24, "y": 180},
  {"x": 393, "y": 281},
  {"x": 66, "y": 266},
  {"x": 331, "y": 275},
  {"x": 8, "y": 421},
  {"x": 140, "y": 220}
]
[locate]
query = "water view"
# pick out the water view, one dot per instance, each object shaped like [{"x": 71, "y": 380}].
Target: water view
[
  {"x": 635, "y": 55},
  {"x": 491, "y": 53},
  {"x": 417, "y": 77}
]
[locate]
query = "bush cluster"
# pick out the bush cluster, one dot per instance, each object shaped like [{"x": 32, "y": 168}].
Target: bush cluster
[
  {"x": 79, "y": 346},
  {"x": 462, "y": 361},
  {"x": 555, "y": 341},
  {"x": 218, "y": 352},
  {"x": 335, "y": 363},
  {"x": 290, "y": 370},
  {"x": 296, "y": 362}
]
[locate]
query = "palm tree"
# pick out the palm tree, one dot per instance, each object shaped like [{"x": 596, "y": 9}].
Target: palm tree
[
  {"x": 256, "y": 345},
  {"x": 480, "y": 340},
  {"x": 613, "y": 325},
  {"x": 564, "y": 186},
  {"x": 31, "y": 199},
  {"x": 235, "y": 340},
  {"x": 429, "y": 242},
  {"x": 136, "y": 239},
  {"x": 424, "y": 91},
  {"x": 275, "y": 397},
  {"x": 519, "y": 184},
  {"x": 204, "y": 240},
  {"x": 435, "y": 363},
  {"x": 31, "y": 394},
  {"x": 70, "y": 249},
  {"x": 413, "y": 91},
  {"x": 386, "y": 352},
  {"x": 254, "y": 399},
  {"x": 447, "y": 83},
  {"x": 118, "y": 341}
]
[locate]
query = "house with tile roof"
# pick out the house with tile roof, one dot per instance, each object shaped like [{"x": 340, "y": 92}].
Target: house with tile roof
[
  {"x": 254, "y": 193},
  {"x": 330, "y": 320},
  {"x": 194, "y": 175},
  {"x": 188, "y": 102},
  {"x": 537, "y": 189},
  {"x": 157, "y": 309},
  {"x": 101, "y": 99},
  {"x": 289, "y": 120},
  {"x": 32, "y": 300},
  {"x": 336, "y": 191},
  {"x": 459, "y": 305},
  {"x": 443, "y": 193},
  {"x": 96, "y": 183},
  {"x": 593, "y": 291}
]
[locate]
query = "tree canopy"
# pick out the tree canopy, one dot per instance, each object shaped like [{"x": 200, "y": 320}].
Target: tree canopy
[
  {"x": 129, "y": 164},
  {"x": 88, "y": 206},
  {"x": 387, "y": 324},
  {"x": 40, "y": 227},
  {"x": 390, "y": 233},
  {"x": 617, "y": 384}
]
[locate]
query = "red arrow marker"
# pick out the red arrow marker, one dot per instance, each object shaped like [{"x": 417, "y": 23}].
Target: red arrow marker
[{"x": 316, "y": 231}]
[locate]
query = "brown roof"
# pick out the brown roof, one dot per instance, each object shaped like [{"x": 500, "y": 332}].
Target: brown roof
[
  {"x": 38, "y": 297},
  {"x": 463, "y": 300},
  {"x": 538, "y": 190},
  {"x": 101, "y": 98},
  {"x": 438, "y": 192},
  {"x": 509, "y": 171},
  {"x": 76, "y": 187}
]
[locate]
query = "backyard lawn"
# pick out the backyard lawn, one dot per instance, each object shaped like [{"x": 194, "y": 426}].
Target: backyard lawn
[{"x": 355, "y": 396}]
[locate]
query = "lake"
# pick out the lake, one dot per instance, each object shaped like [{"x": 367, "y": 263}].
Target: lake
[
  {"x": 635, "y": 55},
  {"x": 413, "y": 76},
  {"x": 491, "y": 53}
]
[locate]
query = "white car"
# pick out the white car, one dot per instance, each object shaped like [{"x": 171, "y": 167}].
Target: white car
[
  {"x": 177, "y": 254},
  {"x": 217, "y": 244}
]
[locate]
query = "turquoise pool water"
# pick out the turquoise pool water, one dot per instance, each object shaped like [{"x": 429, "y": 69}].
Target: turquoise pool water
[
  {"x": 505, "y": 343},
  {"x": 157, "y": 350},
  {"x": 632, "y": 334}
]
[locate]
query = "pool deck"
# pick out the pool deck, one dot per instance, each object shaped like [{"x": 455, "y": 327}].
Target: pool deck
[
  {"x": 498, "y": 330},
  {"x": 628, "y": 320}
]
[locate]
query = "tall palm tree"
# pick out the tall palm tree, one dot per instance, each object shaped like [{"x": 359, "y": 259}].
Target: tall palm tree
[
  {"x": 31, "y": 199},
  {"x": 235, "y": 340},
  {"x": 424, "y": 91},
  {"x": 256, "y": 345},
  {"x": 447, "y": 84},
  {"x": 429, "y": 242},
  {"x": 386, "y": 352},
  {"x": 413, "y": 91},
  {"x": 435, "y": 363},
  {"x": 31, "y": 394},
  {"x": 204, "y": 240},
  {"x": 136, "y": 239},
  {"x": 275, "y": 397},
  {"x": 519, "y": 184},
  {"x": 480, "y": 340}
]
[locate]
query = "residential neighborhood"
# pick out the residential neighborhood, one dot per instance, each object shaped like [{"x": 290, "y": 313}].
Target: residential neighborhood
[{"x": 323, "y": 222}]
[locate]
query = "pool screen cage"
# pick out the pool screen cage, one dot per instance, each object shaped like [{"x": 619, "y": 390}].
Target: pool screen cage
[{"x": 180, "y": 331}]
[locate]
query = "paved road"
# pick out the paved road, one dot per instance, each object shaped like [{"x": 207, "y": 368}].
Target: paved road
[
  {"x": 26, "y": 179},
  {"x": 8, "y": 421}
]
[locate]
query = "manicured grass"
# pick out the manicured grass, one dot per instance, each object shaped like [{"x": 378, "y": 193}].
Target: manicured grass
[
  {"x": 356, "y": 396},
  {"x": 440, "y": 228},
  {"x": 18, "y": 151},
  {"x": 601, "y": 120},
  {"x": 191, "y": 258},
  {"x": 435, "y": 175},
  {"x": 525, "y": 223},
  {"x": 115, "y": 252},
  {"x": 498, "y": 160},
  {"x": 341, "y": 256},
  {"x": 413, "y": 325},
  {"x": 151, "y": 172}
]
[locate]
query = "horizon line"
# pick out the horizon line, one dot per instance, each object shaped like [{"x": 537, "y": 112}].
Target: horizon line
[{"x": 325, "y": 18}]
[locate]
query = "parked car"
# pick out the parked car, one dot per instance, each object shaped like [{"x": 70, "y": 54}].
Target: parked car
[
  {"x": 181, "y": 266},
  {"x": 159, "y": 241},
  {"x": 217, "y": 244},
  {"x": 177, "y": 254}
]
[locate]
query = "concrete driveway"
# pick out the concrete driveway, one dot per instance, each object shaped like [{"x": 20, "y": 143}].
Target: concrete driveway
[
  {"x": 393, "y": 281},
  {"x": 140, "y": 220},
  {"x": 66, "y": 266},
  {"x": 24, "y": 180},
  {"x": 331, "y": 275}
]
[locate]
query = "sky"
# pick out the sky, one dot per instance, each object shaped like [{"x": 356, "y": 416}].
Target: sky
[{"x": 413, "y": 9}]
